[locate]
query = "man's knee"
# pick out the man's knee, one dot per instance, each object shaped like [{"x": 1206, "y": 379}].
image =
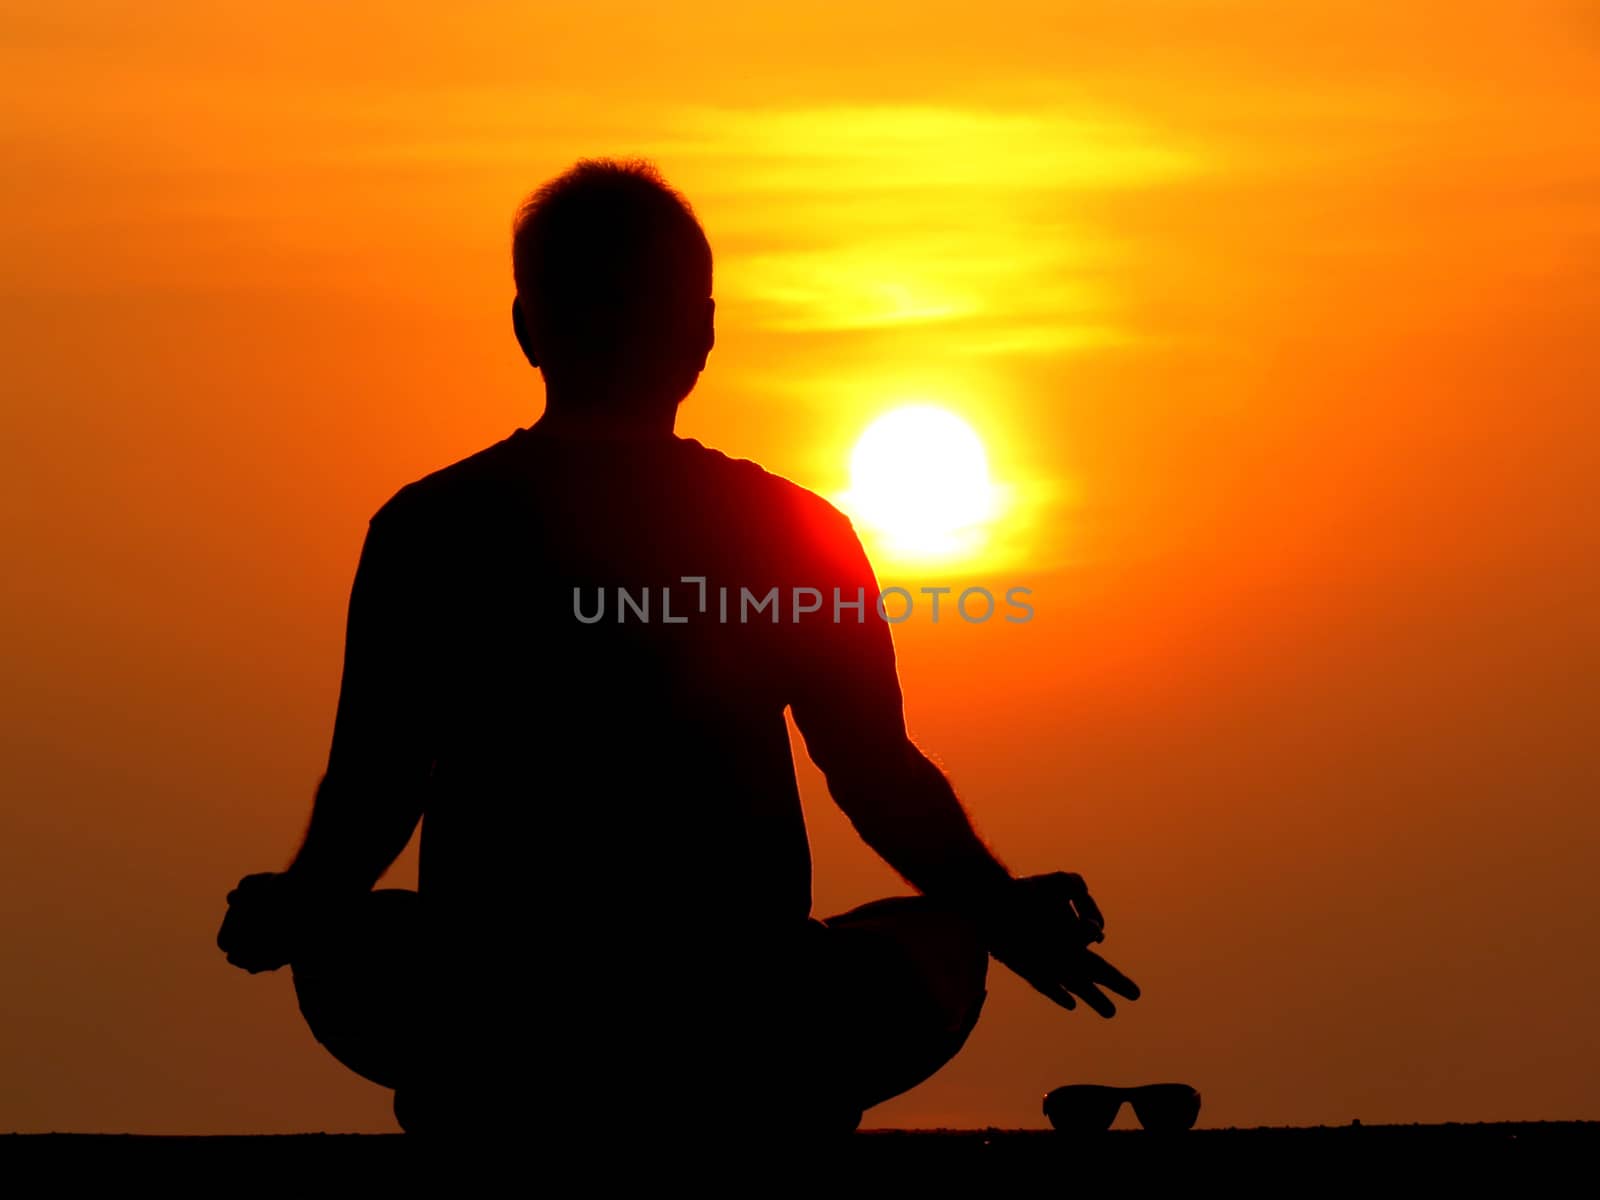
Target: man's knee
[
  {"x": 959, "y": 965},
  {"x": 365, "y": 936},
  {"x": 357, "y": 982},
  {"x": 946, "y": 948}
]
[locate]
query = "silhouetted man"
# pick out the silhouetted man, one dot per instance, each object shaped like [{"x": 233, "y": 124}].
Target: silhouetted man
[{"x": 569, "y": 656}]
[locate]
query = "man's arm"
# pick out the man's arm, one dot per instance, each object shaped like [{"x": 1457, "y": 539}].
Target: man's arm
[
  {"x": 372, "y": 794},
  {"x": 848, "y": 707},
  {"x": 904, "y": 807}
]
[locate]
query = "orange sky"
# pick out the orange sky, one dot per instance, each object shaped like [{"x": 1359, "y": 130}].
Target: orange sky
[{"x": 1278, "y": 319}]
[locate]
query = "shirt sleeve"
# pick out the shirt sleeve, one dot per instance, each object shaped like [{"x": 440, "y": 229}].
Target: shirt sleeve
[
  {"x": 846, "y": 699},
  {"x": 384, "y": 735}
]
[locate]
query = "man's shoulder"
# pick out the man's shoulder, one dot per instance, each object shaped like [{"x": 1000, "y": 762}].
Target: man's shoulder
[
  {"x": 784, "y": 523},
  {"x": 769, "y": 494},
  {"x": 441, "y": 491}
]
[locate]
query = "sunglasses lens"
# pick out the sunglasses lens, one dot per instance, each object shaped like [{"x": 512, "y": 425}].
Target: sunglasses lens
[
  {"x": 1082, "y": 1108},
  {"x": 1167, "y": 1107}
]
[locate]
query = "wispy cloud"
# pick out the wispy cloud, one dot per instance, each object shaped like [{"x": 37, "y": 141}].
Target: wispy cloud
[{"x": 867, "y": 217}]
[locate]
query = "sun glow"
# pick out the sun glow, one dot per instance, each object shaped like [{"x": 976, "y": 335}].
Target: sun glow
[{"x": 919, "y": 479}]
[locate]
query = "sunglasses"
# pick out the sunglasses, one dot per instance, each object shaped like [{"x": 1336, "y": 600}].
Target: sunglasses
[{"x": 1091, "y": 1107}]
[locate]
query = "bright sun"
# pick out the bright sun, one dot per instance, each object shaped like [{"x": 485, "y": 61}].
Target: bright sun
[{"x": 920, "y": 478}]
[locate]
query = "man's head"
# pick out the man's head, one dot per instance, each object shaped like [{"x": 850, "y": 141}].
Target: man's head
[{"x": 613, "y": 288}]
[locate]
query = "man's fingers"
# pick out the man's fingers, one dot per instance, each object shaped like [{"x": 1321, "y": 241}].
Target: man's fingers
[
  {"x": 1094, "y": 998},
  {"x": 228, "y": 933},
  {"x": 1066, "y": 992},
  {"x": 1076, "y": 891},
  {"x": 1088, "y": 910},
  {"x": 249, "y": 890},
  {"x": 253, "y": 955},
  {"x": 1051, "y": 989},
  {"x": 1108, "y": 976}
]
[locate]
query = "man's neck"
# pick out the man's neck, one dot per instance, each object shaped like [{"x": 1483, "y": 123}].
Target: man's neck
[{"x": 579, "y": 421}]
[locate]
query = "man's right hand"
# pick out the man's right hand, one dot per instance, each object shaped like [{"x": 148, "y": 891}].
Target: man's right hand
[
  {"x": 1042, "y": 928},
  {"x": 263, "y": 922}
]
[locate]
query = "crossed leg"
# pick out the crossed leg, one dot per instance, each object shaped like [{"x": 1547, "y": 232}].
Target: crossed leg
[{"x": 882, "y": 996}]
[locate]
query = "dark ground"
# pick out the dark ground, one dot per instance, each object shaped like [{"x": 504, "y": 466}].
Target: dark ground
[{"x": 1528, "y": 1157}]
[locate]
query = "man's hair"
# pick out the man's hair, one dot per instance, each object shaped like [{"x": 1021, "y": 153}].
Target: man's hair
[{"x": 608, "y": 258}]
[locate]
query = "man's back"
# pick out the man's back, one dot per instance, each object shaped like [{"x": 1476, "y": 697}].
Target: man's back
[{"x": 606, "y": 738}]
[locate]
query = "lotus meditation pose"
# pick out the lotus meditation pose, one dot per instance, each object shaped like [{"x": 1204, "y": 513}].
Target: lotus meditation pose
[{"x": 569, "y": 657}]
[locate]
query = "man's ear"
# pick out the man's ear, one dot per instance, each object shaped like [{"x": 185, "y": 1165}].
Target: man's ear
[
  {"x": 519, "y": 325},
  {"x": 710, "y": 333}
]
